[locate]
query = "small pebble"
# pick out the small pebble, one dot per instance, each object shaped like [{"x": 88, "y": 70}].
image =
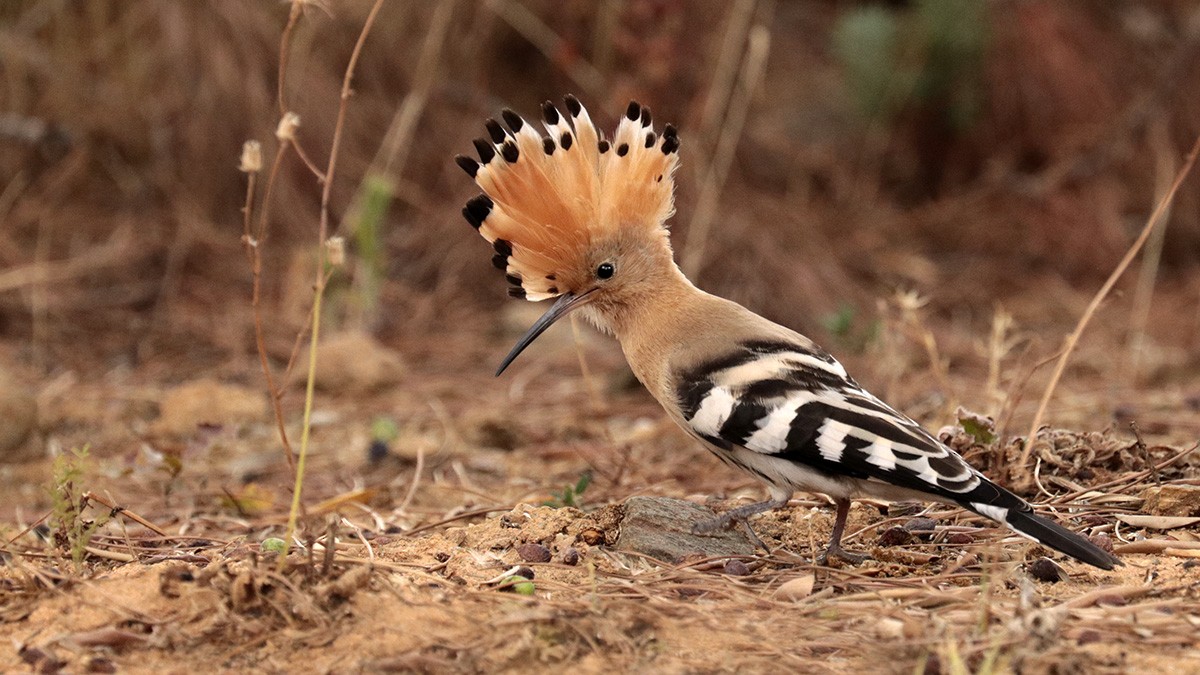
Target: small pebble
[
  {"x": 960, "y": 538},
  {"x": 922, "y": 525},
  {"x": 441, "y": 556},
  {"x": 1088, "y": 637},
  {"x": 99, "y": 664},
  {"x": 571, "y": 557},
  {"x": 534, "y": 553},
  {"x": 895, "y": 536},
  {"x": 1102, "y": 540},
  {"x": 736, "y": 568},
  {"x": 524, "y": 571},
  {"x": 592, "y": 536},
  {"x": 1044, "y": 569},
  {"x": 377, "y": 451}
]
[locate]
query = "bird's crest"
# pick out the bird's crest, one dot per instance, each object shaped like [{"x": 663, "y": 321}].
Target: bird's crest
[{"x": 547, "y": 199}]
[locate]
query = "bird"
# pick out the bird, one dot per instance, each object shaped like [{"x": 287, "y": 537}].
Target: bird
[{"x": 580, "y": 218}]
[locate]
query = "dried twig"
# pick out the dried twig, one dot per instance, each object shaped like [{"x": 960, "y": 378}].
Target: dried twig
[
  {"x": 100, "y": 499},
  {"x": 285, "y": 42},
  {"x": 251, "y": 165},
  {"x": 322, "y": 254},
  {"x": 1073, "y": 339},
  {"x": 1141, "y": 446}
]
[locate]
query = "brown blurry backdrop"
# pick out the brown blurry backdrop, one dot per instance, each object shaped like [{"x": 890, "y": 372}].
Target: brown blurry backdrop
[
  {"x": 894, "y": 178},
  {"x": 973, "y": 152}
]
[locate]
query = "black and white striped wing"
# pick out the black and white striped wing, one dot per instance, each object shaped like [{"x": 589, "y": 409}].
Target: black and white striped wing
[
  {"x": 790, "y": 402},
  {"x": 791, "y": 415}
]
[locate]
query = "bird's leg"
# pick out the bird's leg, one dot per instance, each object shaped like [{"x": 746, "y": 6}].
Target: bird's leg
[{"x": 835, "y": 550}]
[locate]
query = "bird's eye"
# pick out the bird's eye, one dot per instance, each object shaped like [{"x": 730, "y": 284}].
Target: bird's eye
[{"x": 605, "y": 270}]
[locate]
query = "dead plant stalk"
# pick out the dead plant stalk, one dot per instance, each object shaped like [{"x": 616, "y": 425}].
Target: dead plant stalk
[
  {"x": 319, "y": 289},
  {"x": 253, "y": 243},
  {"x": 1073, "y": 338}
]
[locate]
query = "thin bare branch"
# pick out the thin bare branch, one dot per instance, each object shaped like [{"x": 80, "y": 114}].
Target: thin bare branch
[{"x": 1073, "y": 338}]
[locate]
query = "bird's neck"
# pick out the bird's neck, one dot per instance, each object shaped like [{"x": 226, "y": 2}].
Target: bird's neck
[{"x": 652, "y": 327}]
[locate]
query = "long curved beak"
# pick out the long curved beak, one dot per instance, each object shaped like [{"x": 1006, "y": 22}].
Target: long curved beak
[{"x": 561, "y": 307}]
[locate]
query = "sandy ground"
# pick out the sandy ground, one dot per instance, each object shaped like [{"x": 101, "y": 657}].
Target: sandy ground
[{"x": 431, "y": 527}]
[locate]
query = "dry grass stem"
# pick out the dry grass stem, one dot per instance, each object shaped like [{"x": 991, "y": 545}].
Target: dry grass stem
[
  {"x": 550, "y": 44},
  {"x": 1143, "y": 294},
  {"x": 392, "y": 156},
  {"x": 754, "y": 63}
]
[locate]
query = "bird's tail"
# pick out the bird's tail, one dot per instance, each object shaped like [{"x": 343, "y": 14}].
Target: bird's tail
[{"x": 1022, "y": 520}]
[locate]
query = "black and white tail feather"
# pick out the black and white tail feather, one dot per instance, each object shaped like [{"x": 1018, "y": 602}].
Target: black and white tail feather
[{"x": 790, "y": 414}]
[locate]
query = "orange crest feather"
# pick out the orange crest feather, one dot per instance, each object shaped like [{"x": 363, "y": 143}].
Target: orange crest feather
[{"x": 548, "y": 199}]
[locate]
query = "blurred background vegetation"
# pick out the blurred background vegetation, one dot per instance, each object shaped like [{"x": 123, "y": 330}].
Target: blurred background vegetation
[{"x": 834, "y": 152}]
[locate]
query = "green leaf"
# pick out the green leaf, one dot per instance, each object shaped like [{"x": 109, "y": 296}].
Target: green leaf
[{"x": 978, "y": 427}]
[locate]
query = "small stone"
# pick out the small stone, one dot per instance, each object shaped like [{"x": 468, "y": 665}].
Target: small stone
[
  {"x": 895, "y": 536},
  {"x": 100, "y": 664},
  {"x": 524, "y": 571},
  {"x": 571, "y": 557},
  {"x": 960, "y": 538},
  {"x": 592, "y": 536},
  {"x": 1088, "y": 636},
  {"x": 1172, "y": 500},
  {"x": 1044, "y": 569},
  {"x": 534, "y": 553},
  {"x": 1102, "y": 541},
  {"x": 662, "y": 529},
  {"x": 921, "y": 525},
  {"x": 736, "y": 568},
  {"x": 441, "y": 556}
]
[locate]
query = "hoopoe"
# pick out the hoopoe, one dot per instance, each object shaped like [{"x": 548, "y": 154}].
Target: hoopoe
[{"x": 579, "y": 218}]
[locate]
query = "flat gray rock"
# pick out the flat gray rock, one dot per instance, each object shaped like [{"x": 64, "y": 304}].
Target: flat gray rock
[{"x": 662, "y": 529}]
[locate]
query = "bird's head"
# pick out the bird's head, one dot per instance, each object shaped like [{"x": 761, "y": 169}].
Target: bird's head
[{"x": 572, "y": 215}]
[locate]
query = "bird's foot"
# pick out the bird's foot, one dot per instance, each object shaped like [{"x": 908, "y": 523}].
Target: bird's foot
[
  {"x": 735, "y": 515},
  {"x": 836, "y": 551},
  {"x": 721, "y": 522}
]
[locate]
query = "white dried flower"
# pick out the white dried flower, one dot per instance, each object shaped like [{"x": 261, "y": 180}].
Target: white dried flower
[
  {"x": 286, "y": 131},
  {"x": 251, "y": 157},
  {"x": 335, "y": 248}
]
